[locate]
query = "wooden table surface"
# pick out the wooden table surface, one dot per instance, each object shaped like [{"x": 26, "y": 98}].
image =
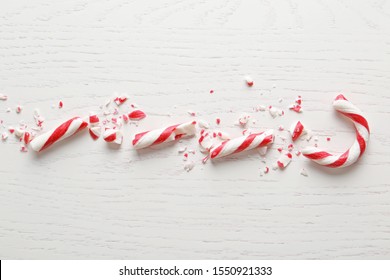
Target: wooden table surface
[{"x": 85, "y": 199}]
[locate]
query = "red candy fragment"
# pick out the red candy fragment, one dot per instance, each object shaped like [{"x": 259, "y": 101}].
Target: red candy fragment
[{"x": 136, "y": 115}]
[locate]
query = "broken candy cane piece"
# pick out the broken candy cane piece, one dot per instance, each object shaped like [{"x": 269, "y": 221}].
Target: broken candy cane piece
[
  {"x": 60, "y": 104},
  {"x": 362, "y": 130},
  {"x": 27, "y": 137},
  {"x": 249, "y": 81},
  {"x": 11, "y": 129},
  {"x": 4, "y": 136},
  {"x": 243, "y": 120},
  {"x": 303, "y": 172},
  {"x": 205, "y": 142},
  {"x": 95, "y": 132},
  {"x": 162, "y": 135},
  {"x": 63, "y": 131},
  {"x": 274, "y": 112},
  {"x": 38, "y": 118},
  {"x": 191, "y": 113},
  {"x": 120, "y": 99},
  {"x": 243, "y": 143},
  {"x": 189, "y": 166},
  {"x": 136, "y": 115},
  {"x": 3, "y": 97},
  {"x": 297, "y": 129},
  {"x": 19, "y": 109},
  {"x": 113, "y": 136},
  {"x": 93, "y": 119},
  {"x": 284, "y": 160},
  {"x": 203, "y": 124},
  {"x": 262, "y": 150},
  {"x": 19, "y": 132},
  {"x": 296, "y": 108}
]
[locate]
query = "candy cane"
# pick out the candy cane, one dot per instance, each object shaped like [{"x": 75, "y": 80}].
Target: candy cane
[
  {"x": 171, "y": 133},
  {"x": 65, "y": 130},
  {"x": 243, "y": 143},
  {"x": 342, "y": 105}
]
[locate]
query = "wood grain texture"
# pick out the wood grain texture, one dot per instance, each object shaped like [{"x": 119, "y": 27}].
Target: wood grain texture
[{"x": 86, "y": 200}]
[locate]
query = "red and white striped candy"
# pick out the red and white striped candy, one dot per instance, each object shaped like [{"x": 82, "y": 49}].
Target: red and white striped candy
[
  {"x": 243, "y": 143},
  {"x": 93, "y": 119},
  {"x": 343, "y": 106},
  {"x": 65, "y": 130},
  {"x": 95, "y": 132},
  {"x": 162, "y": 135},
  {"x": 297, "y": 129},
  {"x": 284, "y": 159},
  {"x": 113, "y": 136}
]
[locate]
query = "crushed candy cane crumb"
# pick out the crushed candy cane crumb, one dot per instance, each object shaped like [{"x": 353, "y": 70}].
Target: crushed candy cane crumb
[{"x": 249, "y": 81}]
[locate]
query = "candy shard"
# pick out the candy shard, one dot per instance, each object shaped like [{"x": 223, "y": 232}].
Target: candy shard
[
  {"x": 19, "y": 109},
  {"x": 284, "y": 160},
  {"x": 95, "y": 132},
  {"x": 243, "y": 120},
  {"x": 189, "y": 166},
  {"x": 19, "y": 132},
  {"x": 303, "y": 172},
  {"x": 4, "y": 136},
  {"x": 262, "y": 150},
  {"x": 203, "y": 124},
  {"x": 249, "y": 81},
  {"x": 3, "y": 97},
  {"x": 137, "y": 115},
  {"x": 93, "y": 119},
  {"x": 112, "y": 135},
  {"x": 119, "y": 100},
  {"x": 297, "y": 130}
]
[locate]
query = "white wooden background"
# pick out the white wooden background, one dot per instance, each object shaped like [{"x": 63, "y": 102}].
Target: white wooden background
[{"x": 86, "y": 200}]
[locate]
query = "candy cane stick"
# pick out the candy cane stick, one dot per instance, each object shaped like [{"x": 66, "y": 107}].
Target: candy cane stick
[
  {"x": 171, "y": 133},
  {"x": 343, "y": 106},
  {"x": 244, "y": 143},
  {"x": 65, "y": 130}
]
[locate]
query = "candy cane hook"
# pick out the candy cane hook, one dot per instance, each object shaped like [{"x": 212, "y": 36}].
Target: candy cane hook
[{"x": 343, "y": 106}]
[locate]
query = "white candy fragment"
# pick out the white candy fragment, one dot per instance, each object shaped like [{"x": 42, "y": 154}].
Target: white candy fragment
[
  {"x": 4, "y": 136},
  {"x": 304, "y": 172},
  {"x": 19, "y": 132},
  {"x": 203, "y": 124},
  {"x": 262, "y": 150},
  {"x": 260, "y": 108},
  {"x": 189, "y": 166},
  {"x": 182, "y": 150},
  {"x": 274, "y": 112},
  {"x": 3, "y": 97}
]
